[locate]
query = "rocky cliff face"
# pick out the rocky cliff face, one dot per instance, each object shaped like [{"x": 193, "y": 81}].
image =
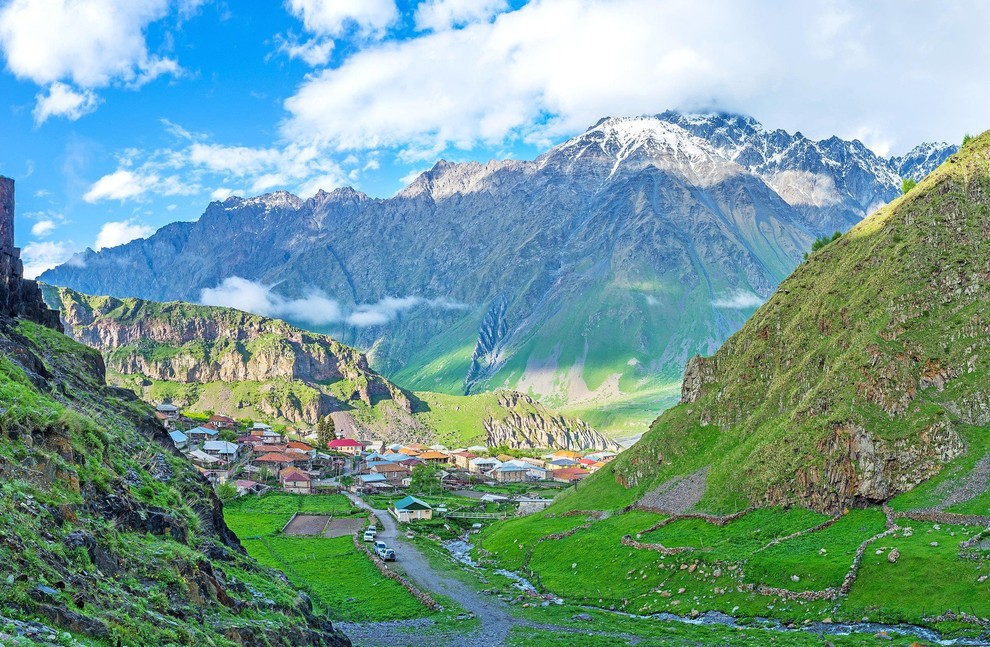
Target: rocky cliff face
[
  {"x": 184, "y": 343},
  {"x": 107, "y": 532},
  {"x": 863, "y": 375},
  {"x": 208, "y": 358},
  {"x": 587, "y": 277},
  {"x": 526, "y": 423}
]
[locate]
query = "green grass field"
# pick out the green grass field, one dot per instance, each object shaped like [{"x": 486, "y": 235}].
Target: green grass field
[
  {"x": 341, "y": 581},
  {"x": 593, "y": 567}
]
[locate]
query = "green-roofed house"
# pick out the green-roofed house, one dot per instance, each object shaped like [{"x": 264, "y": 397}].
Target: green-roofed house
[{"x": 410, "y": 509}]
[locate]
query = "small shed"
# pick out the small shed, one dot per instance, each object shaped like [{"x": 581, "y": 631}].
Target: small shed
[{"x": 410, "y": 509}]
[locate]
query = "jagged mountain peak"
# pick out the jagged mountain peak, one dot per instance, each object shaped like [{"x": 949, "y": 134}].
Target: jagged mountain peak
[{"x": 617, "y": 144}]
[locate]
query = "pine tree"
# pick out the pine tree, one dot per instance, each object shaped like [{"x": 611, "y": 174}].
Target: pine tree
[{"x": 326, "y": 431}]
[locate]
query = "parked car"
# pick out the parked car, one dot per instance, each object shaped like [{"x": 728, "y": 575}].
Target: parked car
[
  {"x": 380, "y": 546},
  {"x": 387, "y": 555},
  {"x": 371, "y": 531},
  {"x": 369, "y": 536}
]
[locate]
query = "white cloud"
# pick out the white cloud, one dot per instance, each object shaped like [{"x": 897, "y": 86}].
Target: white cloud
[
  {"x": 88, "y": 43},
  {"x": 63, "y": 101},
  {"x": 41, "y": 256},
  {"x": 125, "y": 184},
  {"x": 333, "y": 17},
  {"x": 314, "y": 52},
  {"x": 221, "y": 193},
  {"x": 328, "y": 19},
  {"x": 113, "y": 234},
  {"x": 437, "y": 15},
  {"x": 43, "y": 228},
  {"x": 538, "y": 73},
  {"x": 316, "y": 308},
  {"x": 739, "y": 300},
  {"x": 119, "y": 185}
]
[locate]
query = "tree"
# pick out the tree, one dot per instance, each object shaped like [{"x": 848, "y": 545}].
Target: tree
[
  {"x": 326, "y": 431},
  {"x": 907, "y": 184},
  {"x": 424, "y": 478},
  {"x": 226, "y": 491},
  {"x": 822, "y": 242}
]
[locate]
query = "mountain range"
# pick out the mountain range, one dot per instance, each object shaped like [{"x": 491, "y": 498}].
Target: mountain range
[{"x": 585, "y": 278}]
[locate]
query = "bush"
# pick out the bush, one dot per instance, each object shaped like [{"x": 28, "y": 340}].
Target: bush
[{"x": 907, "y": 184}]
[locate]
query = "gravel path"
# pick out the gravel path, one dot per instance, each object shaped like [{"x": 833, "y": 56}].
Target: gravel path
[
  {"x": 973, "y": 485},
  {"x": 492, "y": 614},
  {"x": 679, "y": 494}
]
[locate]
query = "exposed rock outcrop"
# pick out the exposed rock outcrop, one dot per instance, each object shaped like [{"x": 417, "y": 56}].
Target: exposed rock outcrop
[{"x": 525, "y": 423}]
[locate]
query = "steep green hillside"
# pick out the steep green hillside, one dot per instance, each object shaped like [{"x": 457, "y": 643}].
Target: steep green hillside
[
  {"x": 206, "y": 358},
  {"x": 105, "y": 531},
  {"x": 863, "y": 376}
]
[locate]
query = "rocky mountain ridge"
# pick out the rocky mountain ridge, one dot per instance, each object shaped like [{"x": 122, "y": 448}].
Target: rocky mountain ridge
[
  {"x": 863, "y": 375},
  {"x": 632, "y": 247},
  {"x": 209, "y": 358}
]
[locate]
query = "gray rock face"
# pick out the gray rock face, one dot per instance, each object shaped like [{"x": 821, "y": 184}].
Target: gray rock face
[
  {"x": 526, "y": 423},
  {"x": 586, "y": 277}
]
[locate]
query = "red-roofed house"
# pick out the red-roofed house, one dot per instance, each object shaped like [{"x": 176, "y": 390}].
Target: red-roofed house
[
  {"x": 345, "y": 445},
  {"x": 295, "y": 481},
  {"x": 276, "y": 459},
  {"x": 463, "y": 459},
  {"x": 223, "y": 422},
  {"x": 569, "y": 474}
]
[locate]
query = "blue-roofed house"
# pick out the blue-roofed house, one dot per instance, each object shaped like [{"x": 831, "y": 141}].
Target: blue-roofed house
[
  {"x": 202, "y": 434},
  {"x": 410, "y": 509},
  {"x": 508, "y": 473},
  {"x": 179, "y": 439}
]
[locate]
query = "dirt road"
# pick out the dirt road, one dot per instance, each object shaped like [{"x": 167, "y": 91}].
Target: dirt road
[{"x": 490, "y": 611}]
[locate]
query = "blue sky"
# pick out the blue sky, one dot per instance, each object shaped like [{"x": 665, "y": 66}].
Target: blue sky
[{"x": 124, "y": 115}]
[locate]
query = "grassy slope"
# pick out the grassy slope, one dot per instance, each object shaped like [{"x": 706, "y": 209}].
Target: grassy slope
[
  {"x": 908, "y": 282},
  {"x": 68, "y": 452},
  {"x": 850, "y": 332}
]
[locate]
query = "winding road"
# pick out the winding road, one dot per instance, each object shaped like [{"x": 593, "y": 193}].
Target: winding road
[{"x": 493, "y": 616}]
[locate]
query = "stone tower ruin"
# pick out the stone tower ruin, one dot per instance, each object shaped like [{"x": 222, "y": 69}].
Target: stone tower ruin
[{"x": 19, "y": 297}]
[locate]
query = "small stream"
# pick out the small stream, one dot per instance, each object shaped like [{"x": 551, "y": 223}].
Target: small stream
[{"x": 460, "y": 550}]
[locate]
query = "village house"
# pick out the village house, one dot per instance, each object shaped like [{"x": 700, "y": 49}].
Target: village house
[
  {"x": 463, "y": 459},
  {"x": 201, "y": 434},
  {"x": 434, "y": 458},
  {"x": 223, "y": 422},
  {"x": 477, "y": 449},
  {"x": 168, "y": 410},
  {"x": 507, "y": 473},
  {"x": 295, "y": 481},
  {"x": 569, "y": 474},
  {"x": 274, "y": 460},
  {"x": 301, "y": 447},
  {"x": 411, "y": 509},
  {"x": 345, "y": 446},
  {"x": 533, "y": 472},
  {"x": 391, "y": 471},
  {"x": 179, "y": 439},
  {"x": 409, "y": 451},
  {"x": 561, "y": 463},
  {"x": 221, "y": 449},
  {"x": 566, "y": 453},
  {"x": 245, "y": 486},
  {"x": 602, "y": 457},
  {"x": 481, "y": 464}
]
